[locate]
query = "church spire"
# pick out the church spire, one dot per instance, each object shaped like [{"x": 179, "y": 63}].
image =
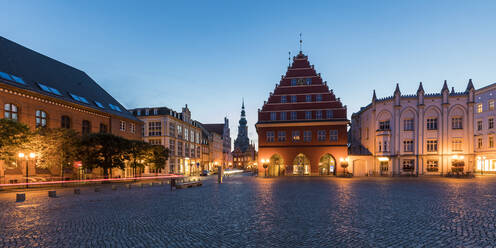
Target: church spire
[
  {"x": 243, "y": 114},
  {"x": 301, "y": 44}
]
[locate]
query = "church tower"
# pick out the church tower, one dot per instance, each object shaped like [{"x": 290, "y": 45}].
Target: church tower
[{"x": 242, "y": 141}]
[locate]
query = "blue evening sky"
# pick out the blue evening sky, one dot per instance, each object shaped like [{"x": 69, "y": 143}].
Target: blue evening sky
[{"x": 210, "y": 54}]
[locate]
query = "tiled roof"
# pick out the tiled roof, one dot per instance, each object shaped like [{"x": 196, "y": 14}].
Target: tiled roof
[
  {"x": 216, "y": 128},
  {"x": 50, "y": 77}
]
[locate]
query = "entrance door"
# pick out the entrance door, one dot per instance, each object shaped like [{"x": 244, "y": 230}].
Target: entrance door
[
  {"x": 301, "y": 165},
  {"x": 327, "y": 165}
]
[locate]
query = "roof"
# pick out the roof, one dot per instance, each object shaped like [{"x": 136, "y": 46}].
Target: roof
[
  {"x": 33, "y": 71},
  {"x": 216, "y": 128}
]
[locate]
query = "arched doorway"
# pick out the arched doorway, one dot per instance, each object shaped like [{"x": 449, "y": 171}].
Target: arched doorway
[
  {"x": 276, "y": 166},
  {"x": 301, "y": 165},
  {"x": 327, "y": 165}
]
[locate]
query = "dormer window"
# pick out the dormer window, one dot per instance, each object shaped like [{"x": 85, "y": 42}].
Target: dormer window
[
  {"x": 50, "y": 90},
  {"x": 78, "y": 98},
  {"x": 99, "y": 104},
  {"x": 114, "y": 107},
  {"x": 155, "y": 111}
]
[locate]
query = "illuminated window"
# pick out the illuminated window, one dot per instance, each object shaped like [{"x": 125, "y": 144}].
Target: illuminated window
[
  {"x": 479, "y": 143},
  {"x": 491, "y": 141},
  {"x": 456, "y": 123},
  {"x": 41, "y": 118},
  {"x": 431, "y": 145},
  {"x": 10, "y": 112},
  {"x": 491, "y": 104},
  {"x": 296, "y": 135},
  {"x": 479, "y": 108},
  {"x": 456, "y": 145},
  {"x": 432, "y": 165}
]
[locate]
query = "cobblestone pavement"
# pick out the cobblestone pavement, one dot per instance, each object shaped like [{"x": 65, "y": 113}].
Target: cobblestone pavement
[{"x": 254, "y": 212}]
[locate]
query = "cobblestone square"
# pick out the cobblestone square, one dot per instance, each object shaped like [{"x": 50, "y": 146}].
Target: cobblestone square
[{"x": 254, "y": 212}]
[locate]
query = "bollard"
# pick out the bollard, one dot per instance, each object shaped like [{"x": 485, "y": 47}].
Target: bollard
[
  {"x": 97, "y": 189},
  {"x": 77, "y": 191},
  {"x": 52, "y": 193},
  {"x": 128, "y": 186},
  {"x": 114, "y": 187},
  {"x": 20, "y": 197}
]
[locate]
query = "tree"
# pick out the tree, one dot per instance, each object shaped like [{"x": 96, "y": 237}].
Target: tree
[
  {"x": 13, "y": 135},
  {"x": 157, "y": 156},
  {"x": 137, "y": 153},
  {"x": 103, "y": 150},
  {"x": 56, "y": 149}
]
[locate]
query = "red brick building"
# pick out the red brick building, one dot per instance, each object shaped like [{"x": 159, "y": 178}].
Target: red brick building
[{"x": 302, "y": 128}]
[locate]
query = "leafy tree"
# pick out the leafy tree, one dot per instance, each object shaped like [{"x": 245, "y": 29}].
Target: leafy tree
[
  {"x": 13, "y": 135},
  {"x": 57, "y": 149},
  {"x": 103, "y": 150},
  {"x": 157, "y": 156},
  {"x": 137, "y": 153}
]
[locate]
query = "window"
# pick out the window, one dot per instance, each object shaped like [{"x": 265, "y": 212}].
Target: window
[
  {"x": 479, "y": 143},
  {"x": 100, "y": 105},
  {"x": 116, "y": 108},
  {"x": 490, "y": 123},
  {"x": 5, "y": 76},
  {"x": 296, "y": 135},
  {"x": 65, "y": 122},
  {"x": 491, "y": 141},
  {"x": 179, "y": 131},
  {"x": 308, "y": 98},
  {"x": 155, "y": 142},
  {"x": 318, "y": 114},
  {"x": 293, "y": 82},
  {"x": 41, "y": 118},
  {"x": 283, "y": 99},
  {"x": 155, "y": 111},
  {"x": 408, "y": 125},
  {"x": 379, "y": 146},
  {"x": 431, "y": 145},
  {"x": 408, "y": 165},
  {"x": 408, "y": 145},
  {"x": 10, "y": 112},
  {"x": 308, "y": 115},
  {"x": 329, "y": 114},
  {"x": 18, "y": 79},
  {"x": 386, "y": 146},
  {"x": 186, "y": 133},
  {"x": 456, "y": 123},
  {"x": 432, "y": 165},
  {"x": 283, "y": 116},
  {"x": 154, "y": 128},
  {"x": 293, "y": 115},
  {"x": 309, "y": 81},
  {"x": 384, "y": 125},
  {"x": 172, "y": 130},
  {"x": 479, "y": 125},
  {"x": 51, "y": 90},
  {"x": 307, "y": 136},
  {"x": 432, "y": 124},
  {"x": 270, "y": 136},
  {"x": 78, "y": 98},
  {"x": 147, "y": 112},
  {"x": 281, "y": 136},
  {"x": 179, "y": 148},
  {"x": 333, "y": 135},
  {"x": 479, "y": 108},
  {"x": 86, "y": 127},
  {"x": 273, "y": 116},
  {"x": 132, "y": 126},
  {"x": 103, "y": 128},
  {"x": 122, "y": 126},
  {"x": 319, "y": 98},
  {"x": 192, "y": 135},
  {"x": 456, "y": 145},
  {"x": 321, "y": 135},
  {"x": 293, "y": 98},
  {"x": 186, "y": 149},
  {"x": 491, "y": 104}
]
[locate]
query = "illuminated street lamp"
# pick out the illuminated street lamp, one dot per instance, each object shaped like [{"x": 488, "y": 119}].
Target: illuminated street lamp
[
  {"x": 265, "y": 164},
  {"x": 23, "y": 156}
]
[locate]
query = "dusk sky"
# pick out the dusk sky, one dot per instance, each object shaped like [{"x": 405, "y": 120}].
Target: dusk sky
[{"x": 210, "y": 54}]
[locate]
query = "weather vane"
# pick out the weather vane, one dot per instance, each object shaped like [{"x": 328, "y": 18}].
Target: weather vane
[{"x": 301, "y": 42}]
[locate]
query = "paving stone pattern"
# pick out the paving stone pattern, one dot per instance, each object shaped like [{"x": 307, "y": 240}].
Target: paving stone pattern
[{"x": 253, "y": 212}]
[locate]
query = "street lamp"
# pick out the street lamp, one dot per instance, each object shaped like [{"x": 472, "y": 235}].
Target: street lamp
[
  {"x": 265, "y": 164},
  {"x": 22, "y": 156}
]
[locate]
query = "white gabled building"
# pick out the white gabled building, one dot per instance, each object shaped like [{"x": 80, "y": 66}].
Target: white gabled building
[
  {"x": 485, "y": 131},
  {"x": 419, "y": 134}
]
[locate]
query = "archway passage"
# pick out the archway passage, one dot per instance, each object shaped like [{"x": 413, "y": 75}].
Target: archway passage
[
  {"x": 276, "y": 166},
  {"x": 327, "y": 165},
  {"x": 301, "y": 165}
]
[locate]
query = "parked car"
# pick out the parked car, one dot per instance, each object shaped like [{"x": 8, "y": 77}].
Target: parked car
[{"x": 205, "y": 173}]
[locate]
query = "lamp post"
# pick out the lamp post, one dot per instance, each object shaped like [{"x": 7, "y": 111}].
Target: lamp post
[
  {"x": 23, "y": 156},
  {"x": 265, "y": 164}
]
